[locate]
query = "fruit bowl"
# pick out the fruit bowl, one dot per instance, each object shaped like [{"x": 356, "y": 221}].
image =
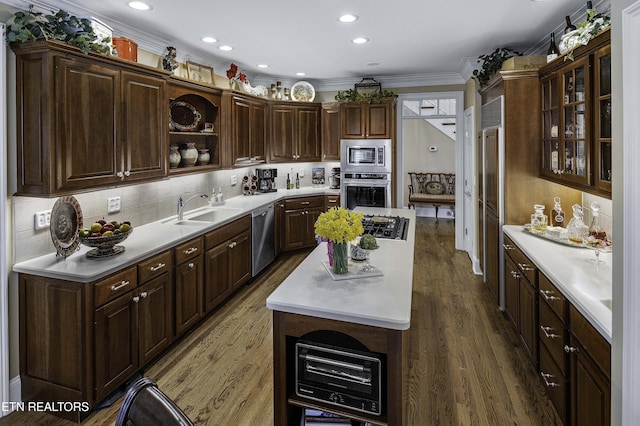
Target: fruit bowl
[{"x": 105, "y": 246}]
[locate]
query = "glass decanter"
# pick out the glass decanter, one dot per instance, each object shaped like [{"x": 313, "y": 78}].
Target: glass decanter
[
  {"x": 576, "y": 229},
  {"x": 595, "y": 230},
  {"x": 538, "y": 219}
]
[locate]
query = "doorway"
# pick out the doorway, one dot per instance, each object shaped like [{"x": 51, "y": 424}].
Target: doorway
[{"x": 430, "y": 139}]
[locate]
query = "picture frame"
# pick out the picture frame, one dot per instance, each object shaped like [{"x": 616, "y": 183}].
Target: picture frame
[
  {"x": 200, "y": 73},
  {"x": 317, "y": 176}
]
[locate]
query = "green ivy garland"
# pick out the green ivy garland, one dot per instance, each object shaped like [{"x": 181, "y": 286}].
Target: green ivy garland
[
  {"x": 492, "y": 63},
  {"x": 375, "y": 97}
]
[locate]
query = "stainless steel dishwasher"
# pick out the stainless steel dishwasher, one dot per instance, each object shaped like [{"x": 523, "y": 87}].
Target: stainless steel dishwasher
[{"x": 262, "y": 238}]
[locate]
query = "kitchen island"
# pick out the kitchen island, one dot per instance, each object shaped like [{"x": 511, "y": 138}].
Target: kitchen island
[{"x": 375, "y": 311}]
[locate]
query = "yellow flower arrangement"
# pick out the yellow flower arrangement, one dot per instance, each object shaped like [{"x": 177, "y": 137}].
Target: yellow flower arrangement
[{"x": 339, "y": 225}]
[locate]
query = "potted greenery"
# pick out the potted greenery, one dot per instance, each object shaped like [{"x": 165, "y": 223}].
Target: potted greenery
[
  {"x": 352, "y": 95},
  {"x": 492, "y": 63},
  {"x": 32, "y": 26}
]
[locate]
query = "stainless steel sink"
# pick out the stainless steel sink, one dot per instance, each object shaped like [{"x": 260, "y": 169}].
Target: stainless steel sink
[
  {"x": 191, "y": 223},
  {"x": 608, "y": 303}
]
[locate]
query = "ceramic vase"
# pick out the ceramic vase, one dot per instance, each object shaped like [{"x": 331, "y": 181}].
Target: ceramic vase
[
  {"x": 174, "y": 157},
  {"x": 340, "y": 258},
  {"x": 203, "y": 157},
  {"x": 189, "y": 154}
]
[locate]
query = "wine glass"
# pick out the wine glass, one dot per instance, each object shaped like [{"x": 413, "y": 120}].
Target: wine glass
[{"x": 367, "y": 267}]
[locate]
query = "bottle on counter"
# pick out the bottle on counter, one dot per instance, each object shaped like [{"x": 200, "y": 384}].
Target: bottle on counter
[
  {"x": 297, "y": 181},
  {"x": 291, "y": 180},
  {"x": 288, "y": 181},
  {"x": 552, "y": 51},
  {"x": 539, "y": 219},
  {"x": 595, "y": 230},
  {"x": 557, "y": 215},
  {"x": 577, "y": 230},
  {"x": 220, "y": 196}
]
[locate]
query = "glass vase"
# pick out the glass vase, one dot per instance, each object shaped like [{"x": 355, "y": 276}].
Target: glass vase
[{"x": 340, "y": 258}]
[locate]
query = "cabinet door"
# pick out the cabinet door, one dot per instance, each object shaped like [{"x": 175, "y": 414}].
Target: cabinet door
[
  {"x": 590, "y": 390},
  {"x": 240, "y": 259},
  {"x": 492, "y": 266},
  {"x": 216, "y": 276},
  {"x": 143, "y": 140},
  {"x": 283, "y": 132},
  {"x": 378, "y": 121},
  {"x": 330, "y": 133},
  {"x": 308, "y": 141},
  {"x": 295, "y": 229},
  {"x": 240, "y": 117},
  {"x": 279, "y": 227},
  {"x": 602, "y": 119},
  {"x": 155, "y": 317},
  {"x": 188, "y": 294},
  {"x": 258, "y": 132},
  {"x": 550, "y": 126},
  {"x": 527, "y": 324},
  {"x": 116, "y": 343},
  {"x": 88, "y": 151},
  {"x": 491, "y": 171},
  {"x": 353, "y": 123},
  {"x": 512, "y": 279}
]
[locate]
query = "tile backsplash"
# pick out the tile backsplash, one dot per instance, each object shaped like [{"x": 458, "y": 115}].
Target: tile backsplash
[
  {"x": 141, "y": 203},
  {"x": 605, "y": 212}
]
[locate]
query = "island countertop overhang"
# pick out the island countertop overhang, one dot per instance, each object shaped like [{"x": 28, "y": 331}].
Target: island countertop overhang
[{"x": 381, "y": 301}]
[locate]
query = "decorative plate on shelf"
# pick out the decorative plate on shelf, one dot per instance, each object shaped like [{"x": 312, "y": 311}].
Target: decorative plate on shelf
[
  {"x": 183, "y": 116},
  {"x": 66, "y": 221},
  {"x": 303, "y": 91}
]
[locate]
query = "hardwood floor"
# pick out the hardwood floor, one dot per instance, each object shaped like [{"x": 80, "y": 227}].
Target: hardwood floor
[{"x": 466, "y": 365}]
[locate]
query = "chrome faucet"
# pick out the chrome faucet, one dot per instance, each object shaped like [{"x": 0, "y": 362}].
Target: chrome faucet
[{"x": 182, "y": 204}]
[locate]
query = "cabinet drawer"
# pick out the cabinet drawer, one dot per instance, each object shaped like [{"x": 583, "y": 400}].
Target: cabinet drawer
[
  {"x": 225, "y": 232},
  {"x": 155, "y": 266},
  {"x": 116, "y": 285},
  {"x": 303, "y": 203},
  {"x": 551, "y": 295},
  {"x": 554, "y": 381},
  {"x": 524, "y": 264},
  {"x": 188, "y": 250},
  {"x": 332, "y": 201},
  {"x": 592, "y": 341},
  {"x": 553, "y": 335}
]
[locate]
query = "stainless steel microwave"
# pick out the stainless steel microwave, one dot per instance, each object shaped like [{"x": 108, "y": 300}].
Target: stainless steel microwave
[{"x": 365, "y": 155}]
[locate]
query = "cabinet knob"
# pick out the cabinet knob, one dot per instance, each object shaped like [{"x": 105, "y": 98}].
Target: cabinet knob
[
  {"x": 191, "y": 265},
  {"x": 127, "y": 173},
  {"x": 136, "y": 299},
  {"x": 144, "y": 294},
  {"x": 233, "y": 244},
  {"x": 570, "y": 349}
]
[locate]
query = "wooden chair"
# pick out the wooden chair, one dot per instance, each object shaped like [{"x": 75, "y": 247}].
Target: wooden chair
[
  {"x": 436, "y": 189},
  {"x": 145, "y": 404}
]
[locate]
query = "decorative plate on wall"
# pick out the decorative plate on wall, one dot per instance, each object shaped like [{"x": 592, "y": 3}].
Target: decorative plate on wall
[
  {"x": 183, "y": 116},
  {"x": 303, "y": 91},
  {"x": 66, "y": 221}
]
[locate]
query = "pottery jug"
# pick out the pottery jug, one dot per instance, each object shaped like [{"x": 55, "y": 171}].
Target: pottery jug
[
  {"x": 189, "y": 154},
  {"x": 203, "y": 157},
  {"x": 174, "y": 157}
]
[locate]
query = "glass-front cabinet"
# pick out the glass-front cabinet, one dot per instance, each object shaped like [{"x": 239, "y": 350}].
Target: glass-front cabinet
[{"x": 576, "y": 118}]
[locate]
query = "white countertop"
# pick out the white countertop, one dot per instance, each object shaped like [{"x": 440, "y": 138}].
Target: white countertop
[
  {"x": 153, "y": 238},
  {"x": 584, "y": 282},
  {"x": 382, "y": 301}
]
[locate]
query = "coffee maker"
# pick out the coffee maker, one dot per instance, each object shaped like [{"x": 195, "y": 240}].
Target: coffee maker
[
  {"x": 334, "y": 178},
  {"x": 267, "y": 180}
]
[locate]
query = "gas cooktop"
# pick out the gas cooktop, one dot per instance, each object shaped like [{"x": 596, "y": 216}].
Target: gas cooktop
[{"x": 386, "y": 227}]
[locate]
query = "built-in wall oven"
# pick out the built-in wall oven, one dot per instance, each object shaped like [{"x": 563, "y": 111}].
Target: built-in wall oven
[{"x": 365, "y": 173}]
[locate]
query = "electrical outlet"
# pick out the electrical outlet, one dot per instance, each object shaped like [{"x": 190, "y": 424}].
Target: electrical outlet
[
  {"x": 42, "y": 219},
  {"x": 113, "y": 205},
  {"x": 234, "y": 180},
  {"x": 301, "y": 174}
]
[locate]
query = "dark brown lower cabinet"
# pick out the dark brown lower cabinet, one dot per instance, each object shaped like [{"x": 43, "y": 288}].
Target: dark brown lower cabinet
[
  {"x": 299, "y": 219},
  {"x": 227, "y": 261},
  {"x": 188, "y": 284}
]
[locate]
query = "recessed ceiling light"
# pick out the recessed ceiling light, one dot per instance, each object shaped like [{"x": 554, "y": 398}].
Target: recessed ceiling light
[
  {"x": 225, "y": 48},
  {"x": 360, "y": 40},
  {"x": 138, "y": 5},
  {"x": 263, "y": 66},
  {"x": 301, "y": 73},
  {"x": 209, "y": 39},
  {"x": 348, "y": 18}
]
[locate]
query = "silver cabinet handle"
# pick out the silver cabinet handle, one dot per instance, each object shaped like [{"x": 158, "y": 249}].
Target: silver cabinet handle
[
  {"x": 526, "y": 267},
  {"x": 304, "y": 203},
  {"x": 191, "y": 250},
  {"x": 118, "y": 286},
  {"x": 515, "y": 275},
  {"x": 570, "y": 349},
  {"x": 508, "y": 247},
  {"x": 547, "y": 294},
  {"x": 547, "y": 332},
  {"x": 157, "y": 267},
  {"x": 546, "y": 377}
]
